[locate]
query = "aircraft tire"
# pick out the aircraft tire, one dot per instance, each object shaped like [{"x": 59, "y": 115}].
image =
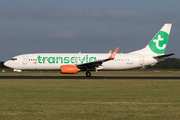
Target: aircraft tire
[
  {"x": 88, "y": 74},
  {"x": 20, "y": 74}
]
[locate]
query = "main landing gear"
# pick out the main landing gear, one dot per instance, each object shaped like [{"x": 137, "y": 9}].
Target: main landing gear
[
  {"x": 21, "y": 74},
  {"x": 88, "y": 74}
]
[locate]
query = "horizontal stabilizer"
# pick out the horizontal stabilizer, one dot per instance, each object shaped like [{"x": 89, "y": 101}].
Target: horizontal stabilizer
[{"x": 163, "y": 56}]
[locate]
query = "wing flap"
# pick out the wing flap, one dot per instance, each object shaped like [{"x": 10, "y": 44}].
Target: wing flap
[{"x": 89, "y": 64}]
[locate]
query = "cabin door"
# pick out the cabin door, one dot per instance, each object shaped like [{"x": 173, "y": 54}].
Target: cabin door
[{"x": 24, "y": 60}]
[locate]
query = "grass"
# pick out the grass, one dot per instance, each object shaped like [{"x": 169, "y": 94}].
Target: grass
[
  {"x": 136, "y": 72},
  {"x": 90, "y": 99}
]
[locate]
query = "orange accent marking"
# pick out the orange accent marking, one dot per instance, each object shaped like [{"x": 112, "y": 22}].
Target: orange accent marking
[
  {"x": 114, "y": 54},
  {"x": 35, "y": 62},
  {"x": 110, "y": 52}
]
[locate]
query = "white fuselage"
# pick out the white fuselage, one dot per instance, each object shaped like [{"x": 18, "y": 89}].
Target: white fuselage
[
  {"x": 53, "y": 61},
  {"x": 72, "y": 63}
]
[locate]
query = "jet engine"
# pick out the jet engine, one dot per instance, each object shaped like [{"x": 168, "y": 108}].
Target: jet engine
[{"x": 69, "y": 69}]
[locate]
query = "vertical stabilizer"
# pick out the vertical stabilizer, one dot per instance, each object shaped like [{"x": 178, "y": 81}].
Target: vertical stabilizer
[{"x": 158, "y": 43}]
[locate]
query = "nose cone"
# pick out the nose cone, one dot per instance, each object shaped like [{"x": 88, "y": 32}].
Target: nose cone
[{"x": 7, "y": 63}]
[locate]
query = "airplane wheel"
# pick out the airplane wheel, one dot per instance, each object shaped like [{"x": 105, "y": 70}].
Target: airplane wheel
[
  {"x": 88, "y": 74},
  {"x": 20, "y": 74}
]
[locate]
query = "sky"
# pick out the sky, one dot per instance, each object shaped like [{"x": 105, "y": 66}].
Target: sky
[{"x": 87, "y": 26}]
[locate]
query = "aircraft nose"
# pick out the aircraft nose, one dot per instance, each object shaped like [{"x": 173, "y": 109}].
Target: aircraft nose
[{"x": 7, "y": 63}]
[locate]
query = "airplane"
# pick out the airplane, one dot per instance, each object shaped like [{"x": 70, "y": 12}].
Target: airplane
[{"x": 72, "y": 63}]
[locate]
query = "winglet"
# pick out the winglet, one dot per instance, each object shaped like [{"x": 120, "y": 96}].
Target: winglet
[
  {"x": 110, "y": 52},
  {"x": 114, "y": 54}
]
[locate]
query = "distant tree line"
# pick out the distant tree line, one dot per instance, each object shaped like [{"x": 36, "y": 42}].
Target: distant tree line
[{"x": 169, "y": 63}]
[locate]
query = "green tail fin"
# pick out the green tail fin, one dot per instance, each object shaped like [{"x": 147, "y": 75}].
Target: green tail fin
[
  {"x": 157, "y": 45},
  {"x": 159, "y": 42}
]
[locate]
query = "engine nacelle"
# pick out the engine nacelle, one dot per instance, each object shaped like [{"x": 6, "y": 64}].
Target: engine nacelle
[{"x": 69, "y": 69}]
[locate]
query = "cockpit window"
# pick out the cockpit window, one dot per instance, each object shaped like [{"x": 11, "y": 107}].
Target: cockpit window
[{"x": 14, "y": 59}]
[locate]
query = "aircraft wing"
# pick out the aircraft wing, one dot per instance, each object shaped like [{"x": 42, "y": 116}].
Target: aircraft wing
[{"x": 94, "y": 64}]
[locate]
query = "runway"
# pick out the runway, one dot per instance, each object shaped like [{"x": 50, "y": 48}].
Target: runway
[{"x": 84, "y": 77}]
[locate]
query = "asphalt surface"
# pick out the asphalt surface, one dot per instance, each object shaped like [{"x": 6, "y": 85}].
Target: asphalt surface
[{"x": 84, "y": 77}]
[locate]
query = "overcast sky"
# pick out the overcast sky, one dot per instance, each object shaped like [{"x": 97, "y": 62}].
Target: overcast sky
[{"x": 89, "y": 26}]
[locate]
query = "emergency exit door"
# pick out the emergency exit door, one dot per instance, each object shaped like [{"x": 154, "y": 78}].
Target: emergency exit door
[{"x": 141, "y": 60}]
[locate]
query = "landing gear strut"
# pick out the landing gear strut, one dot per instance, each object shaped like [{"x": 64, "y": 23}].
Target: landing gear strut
[{"x": 88, "y": 74}]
